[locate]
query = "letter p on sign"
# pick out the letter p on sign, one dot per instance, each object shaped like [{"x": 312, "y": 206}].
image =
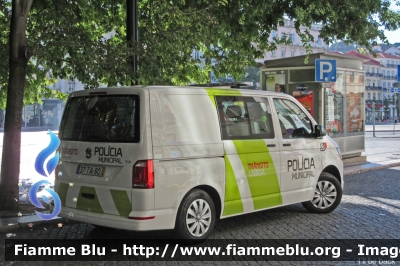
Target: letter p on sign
[{"x": 325, "y": 70}]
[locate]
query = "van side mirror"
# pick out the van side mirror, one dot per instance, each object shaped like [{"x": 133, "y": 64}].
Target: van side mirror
[{"x": 319, "y": 131}]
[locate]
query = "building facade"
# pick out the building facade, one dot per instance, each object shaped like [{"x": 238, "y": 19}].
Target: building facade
[
  {"x": 381, "y": 85},
  {"x": 296, "y": 47},
  {"x": 389, "y": 65}
]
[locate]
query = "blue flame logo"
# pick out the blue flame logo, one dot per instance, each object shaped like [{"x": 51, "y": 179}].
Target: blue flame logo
[{"x": 51, "y": 165}]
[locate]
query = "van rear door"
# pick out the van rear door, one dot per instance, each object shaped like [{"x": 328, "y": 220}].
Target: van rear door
[{"x": 100, "y": 143}]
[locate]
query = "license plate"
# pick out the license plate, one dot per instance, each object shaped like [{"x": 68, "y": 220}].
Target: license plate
[{"x": 90, "y": 170}]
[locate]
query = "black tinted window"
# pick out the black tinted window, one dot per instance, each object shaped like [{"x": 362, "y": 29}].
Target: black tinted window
[{"x": 101, "y": 119}]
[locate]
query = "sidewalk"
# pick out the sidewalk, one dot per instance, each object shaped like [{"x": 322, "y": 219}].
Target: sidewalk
[{"x": 382, "y": 151}]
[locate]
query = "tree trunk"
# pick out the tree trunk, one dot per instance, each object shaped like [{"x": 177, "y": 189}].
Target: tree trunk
[{"x": 19, "y": 57}]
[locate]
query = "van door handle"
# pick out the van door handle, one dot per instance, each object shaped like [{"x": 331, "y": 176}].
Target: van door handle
[
  {"x": 287, "y": 144},
  {"x": 271, "y": 145}
]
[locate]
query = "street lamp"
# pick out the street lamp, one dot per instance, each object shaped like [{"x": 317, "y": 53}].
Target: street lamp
[{"x": 132, "y": 34}]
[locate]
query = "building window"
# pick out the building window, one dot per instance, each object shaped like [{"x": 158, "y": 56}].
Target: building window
[
  {"x": 373, "y": 70},
  {"x": 71, "y": 86},
  {"x": 283, "y": 52},
  {"x": 384, "y": 85},
  {"x": 368, "y": 82},
  {"x": 301, "y": 51},
  {"x": 389, "y": 85},
  {"x": 374, "y": 96},
  {"x": 369, "y": 96},
  {"x": 367, "y": 69},
  {"x": 319, "y": 42},
  {"x": 379, "y": 96},
  {"x": 292, "y": 36},
  {"x": 273, "y": 34},
  {"x": 283, "y": 35},
  {"x": 273, "y": 53},
  {"x": 393, "y": 75},
  {"x": 292, "y": 52}
]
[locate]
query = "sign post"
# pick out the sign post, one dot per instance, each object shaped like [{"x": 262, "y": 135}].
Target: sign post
[
  {"x": 394, "y": 113},
  {"x": 373, "y": 119}
]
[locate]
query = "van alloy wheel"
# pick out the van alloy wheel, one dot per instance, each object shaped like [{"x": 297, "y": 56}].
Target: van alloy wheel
[
  {"x": 198, "y": 218},
  {"x": 325, "y": 195}
]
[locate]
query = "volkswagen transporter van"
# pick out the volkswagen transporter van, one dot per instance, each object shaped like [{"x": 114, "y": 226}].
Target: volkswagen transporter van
[{"x": 150, "y": 158}]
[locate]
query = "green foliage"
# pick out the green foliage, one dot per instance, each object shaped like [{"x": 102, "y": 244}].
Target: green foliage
[{"x": 87, "y": 39}]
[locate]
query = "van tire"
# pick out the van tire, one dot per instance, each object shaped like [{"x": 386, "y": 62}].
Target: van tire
[
  {"x": 196, "y": 217},
  {"x": 329, "y": 198}
]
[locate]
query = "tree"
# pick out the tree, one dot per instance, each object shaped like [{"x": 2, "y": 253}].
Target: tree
[
  {"x": 48, "y": 39},
  {"x": 69, "y": 39}
]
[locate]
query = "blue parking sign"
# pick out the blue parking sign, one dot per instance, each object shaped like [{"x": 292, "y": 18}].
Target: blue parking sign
[
  {"x": 398, "y": 72},
  {"x": 325, "y": 70},
  {"x": 392, "y": 90}
]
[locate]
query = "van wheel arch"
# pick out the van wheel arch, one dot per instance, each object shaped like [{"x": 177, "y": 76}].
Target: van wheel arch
[
  {"x": 214, "y": 196},
  {"x": 331, "y": 169}
]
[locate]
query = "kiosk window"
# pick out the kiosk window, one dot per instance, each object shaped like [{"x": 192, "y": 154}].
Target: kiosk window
[
  {"x": 244, "y": 117},
  {"x": 293, "y": 121}
]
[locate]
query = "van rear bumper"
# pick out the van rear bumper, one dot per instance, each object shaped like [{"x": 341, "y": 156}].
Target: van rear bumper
[{"x": 163, "y": 219}]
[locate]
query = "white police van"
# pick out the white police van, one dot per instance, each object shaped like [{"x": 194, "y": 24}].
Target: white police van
[{"x": 150, "y": 158}]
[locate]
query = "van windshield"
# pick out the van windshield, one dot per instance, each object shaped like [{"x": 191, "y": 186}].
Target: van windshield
[{"x": 101, "y": 119}]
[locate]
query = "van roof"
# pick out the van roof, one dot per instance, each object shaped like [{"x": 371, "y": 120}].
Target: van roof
[{"x": 175, "y": 89}]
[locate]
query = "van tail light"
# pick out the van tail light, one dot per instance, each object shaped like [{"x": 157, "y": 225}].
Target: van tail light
[{"x": 143, "y": 174}]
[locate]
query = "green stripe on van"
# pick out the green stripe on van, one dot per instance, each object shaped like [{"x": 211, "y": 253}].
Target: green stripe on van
[
  {"x": 233, "y": 202},
  {"x": 87, "y": 203},
  {"x": 225, "y": 92},
  {"x": 62, "y": 193},
  {"x": 121, "y": 202},
  {"x": 260, "y": 172}
]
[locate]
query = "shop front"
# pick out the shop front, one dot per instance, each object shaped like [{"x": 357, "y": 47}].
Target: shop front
[
  {"x": 339, "y": 106},
  {"x": 47, "y": 115}
]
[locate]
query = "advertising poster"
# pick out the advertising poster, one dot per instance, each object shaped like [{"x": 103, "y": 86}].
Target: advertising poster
[
  {"x": 306, "y": 99},
  {"x": 333, "y": 110},
  {"x": 354, "y": 113}
]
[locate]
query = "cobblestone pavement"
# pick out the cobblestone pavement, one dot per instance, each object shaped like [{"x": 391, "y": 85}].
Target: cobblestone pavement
[
  {"x": 384, "y": 147},
  {"x": 370, "y": 209}
]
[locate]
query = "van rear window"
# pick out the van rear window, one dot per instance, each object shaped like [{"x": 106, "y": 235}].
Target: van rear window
[{"x": 101, "y": 119}]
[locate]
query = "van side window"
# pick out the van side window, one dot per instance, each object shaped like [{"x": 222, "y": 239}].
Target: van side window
[
  {"x": 244, "y": 117},
  {"x": 293, "y": 121}
]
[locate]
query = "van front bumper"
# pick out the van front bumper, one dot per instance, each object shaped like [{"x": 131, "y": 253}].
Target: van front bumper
[{"x": 163, "y": 219}]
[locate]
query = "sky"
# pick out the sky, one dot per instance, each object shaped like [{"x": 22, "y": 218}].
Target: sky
[{"x": 393, "y": 36}]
